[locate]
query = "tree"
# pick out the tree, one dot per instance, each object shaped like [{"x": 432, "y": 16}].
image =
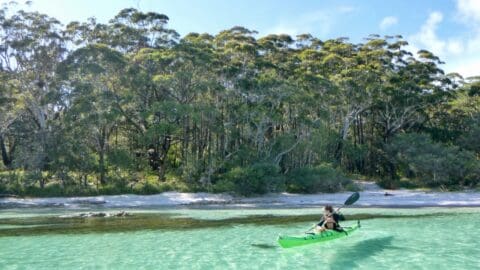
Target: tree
[
  {"x": 95, "y": 75},
  {"x": 32, "y": 46},
  {"x": 129, "y": 99}
]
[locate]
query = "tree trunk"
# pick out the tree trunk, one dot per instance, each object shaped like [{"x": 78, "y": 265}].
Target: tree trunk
[
  {"x": 344, "y": 135},
  {"x": 161, "y": 172},
  {"x": 163, "y": 157},
  {"x": 7, "y": 159},
  {"x": 42, "y": 182},
  {"x": 101, "y": 166},
  {"x": 102, "y": 148}
]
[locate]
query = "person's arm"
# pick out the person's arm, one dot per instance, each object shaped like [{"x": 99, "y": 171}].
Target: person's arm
[{"x": 322, "y": 220}]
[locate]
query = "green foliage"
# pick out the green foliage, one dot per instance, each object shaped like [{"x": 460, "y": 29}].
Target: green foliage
[
  {"x": 120, "y": 159},
  {"x": 434, "y": 164},
  {"x": 322, "y": 178},
  {"x": 354, "y": 156},
  {"x": 15, "y": 182},
  {"x": 150, "y": 188},
  {"x": 470, "y": 139},
  {"x": 259, "y": 178},
  {"x": 129, "y": 106}
]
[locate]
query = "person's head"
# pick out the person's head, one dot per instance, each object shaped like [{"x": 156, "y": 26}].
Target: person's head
[{"x": 328, "y": 209}]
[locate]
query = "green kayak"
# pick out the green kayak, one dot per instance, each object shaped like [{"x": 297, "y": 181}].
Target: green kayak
[{"x": 294, "y": 241}]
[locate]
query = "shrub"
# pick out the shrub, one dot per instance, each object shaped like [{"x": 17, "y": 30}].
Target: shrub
[
  {"x": 259, "y": 178},
  {"x": 323, "y": 178},
  {"x": 470, "y": 140},
  {"x": 150, "y": 188},
  {"x": 433, "y": 164}
]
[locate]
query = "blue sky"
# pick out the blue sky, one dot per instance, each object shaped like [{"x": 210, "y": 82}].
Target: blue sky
[{"x": 449, "y": 28}]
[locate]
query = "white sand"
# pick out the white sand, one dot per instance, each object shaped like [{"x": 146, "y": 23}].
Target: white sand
[{"x": 372, "y": 195}]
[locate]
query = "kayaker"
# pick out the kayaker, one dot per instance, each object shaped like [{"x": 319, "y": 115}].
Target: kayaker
[{"x": 329, "y": 221}]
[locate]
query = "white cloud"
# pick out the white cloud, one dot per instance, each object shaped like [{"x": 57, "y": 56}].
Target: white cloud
[
  {"x": 388, "y": 22},
  {"x": 469, "y": 10},
  {"x": 319, "y": 22},
  {"x": 427, "y": 37},
  {"x": 467, "y": 63},
  {"x": 467, "y": 67},
  {"x": 345, "y": 9},
  {"x": 473, "y": 44},
  {"x": 460, "y": 53},
  {"x": 454, "y": 46}
]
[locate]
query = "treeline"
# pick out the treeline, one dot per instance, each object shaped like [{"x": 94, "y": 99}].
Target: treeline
[{"x": 130, "y": 106}]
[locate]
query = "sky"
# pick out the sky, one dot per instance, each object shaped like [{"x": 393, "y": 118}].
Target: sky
[{"x": 448, "y": 28}]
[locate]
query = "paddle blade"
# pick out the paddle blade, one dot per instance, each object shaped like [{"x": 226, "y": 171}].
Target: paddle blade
[{"x": 352, "y": 199}]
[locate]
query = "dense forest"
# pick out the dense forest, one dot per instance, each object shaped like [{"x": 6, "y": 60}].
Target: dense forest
[{"x": 131, "y": 106}]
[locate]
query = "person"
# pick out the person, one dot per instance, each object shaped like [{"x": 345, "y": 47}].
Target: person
[{"x": 329, "y": 221}]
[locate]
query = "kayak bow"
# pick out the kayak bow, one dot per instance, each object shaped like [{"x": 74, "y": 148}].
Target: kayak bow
[{"x": 294, "y": 241}]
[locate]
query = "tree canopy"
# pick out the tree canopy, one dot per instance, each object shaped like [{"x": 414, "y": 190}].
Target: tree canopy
[{"x": 131, "y": 106}]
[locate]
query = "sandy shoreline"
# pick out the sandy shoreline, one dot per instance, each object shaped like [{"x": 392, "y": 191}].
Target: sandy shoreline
[{"x": 371, "y": 196}]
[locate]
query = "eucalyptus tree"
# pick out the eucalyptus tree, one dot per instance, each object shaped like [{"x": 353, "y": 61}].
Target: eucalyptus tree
[
  {"x": 363, "y": 83},
  {"x": 459, "y": 119},
  {"x": 336, "y": 64},
  {"x": 7, "y": 104},
  {"x": 32, "y": 47},
  {"x": 314, "y": 98},
  {"x": 9, "y": 113},
  {"x": 94, "y": 75},
  {"x": 237, "y": 53},
  {"x": 283, "y": 114},
  {"x": 137, "y": 35},
  {"x": 415, "y": 86},
  {"x": 131, "y": 30},
  {"x": 195, "y": 87},
  {"x": 128, "y": 32},
  {"x": 129, "y": 97},
  {"x": 172, "y": 106}
]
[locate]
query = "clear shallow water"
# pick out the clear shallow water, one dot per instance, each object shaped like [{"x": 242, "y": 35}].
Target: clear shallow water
[{"x": 242, "y": 239}]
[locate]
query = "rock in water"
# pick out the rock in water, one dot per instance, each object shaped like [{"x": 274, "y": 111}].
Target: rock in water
[{"x": 99, "y": 214}]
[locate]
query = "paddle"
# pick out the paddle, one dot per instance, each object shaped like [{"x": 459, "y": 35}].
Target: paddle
[{"x": 350, "y": 200}]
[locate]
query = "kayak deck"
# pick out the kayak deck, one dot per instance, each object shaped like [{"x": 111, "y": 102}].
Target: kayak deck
[{"x": 294, "y": 241}]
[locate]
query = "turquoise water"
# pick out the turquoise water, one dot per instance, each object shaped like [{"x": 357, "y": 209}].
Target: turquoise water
[{"x": 425, "y": 238}]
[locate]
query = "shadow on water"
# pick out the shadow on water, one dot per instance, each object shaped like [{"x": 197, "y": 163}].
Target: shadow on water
[
  {"x": 264, "y": 246},
  {"x": 349, "y": 258}
]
